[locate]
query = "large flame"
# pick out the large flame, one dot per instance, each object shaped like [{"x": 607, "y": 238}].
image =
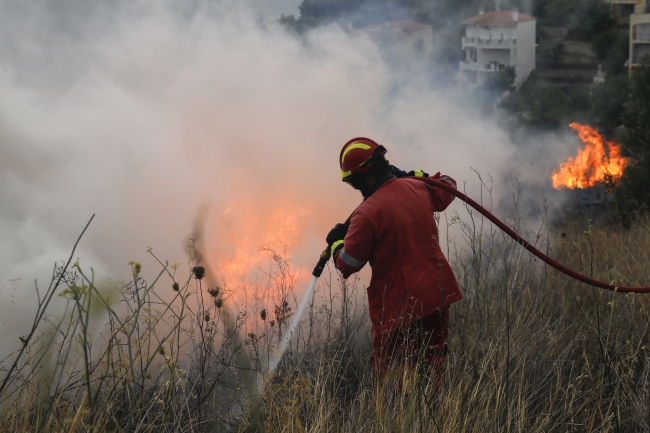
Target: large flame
[
  {"x": 251, "y": 240},
  {"x": 593, "y": 164}
]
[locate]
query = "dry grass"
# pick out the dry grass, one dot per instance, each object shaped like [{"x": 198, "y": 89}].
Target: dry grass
[{"x": 531, "y": 350}]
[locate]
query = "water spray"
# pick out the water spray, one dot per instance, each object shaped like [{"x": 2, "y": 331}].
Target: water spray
[{"x": 286, "y": 338}]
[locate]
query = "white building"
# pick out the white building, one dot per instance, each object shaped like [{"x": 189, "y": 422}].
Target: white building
[
  {"x": 639, "y": 33},
  {"x": 494, "y": 40},
  {"x": 403, "y": 42}
]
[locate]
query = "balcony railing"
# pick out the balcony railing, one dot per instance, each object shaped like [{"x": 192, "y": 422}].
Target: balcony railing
[
  {"x": 482, "y": 67},
  {"x": 494, "y": 66},
  {"x": 489, "y": 42},
  {"x": 642, "y": 37}
]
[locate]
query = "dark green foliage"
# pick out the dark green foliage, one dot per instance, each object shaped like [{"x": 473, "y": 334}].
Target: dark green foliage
[
  {"x": 548, "y": 53},
  {"x": 490, "y": 93},
  {"x": 549, "y": 106},
  {"x": 579, "y": 97},
  {"x": 607, "y": 103},
  {"x": 611, "y": 48},
  {"x": 633, "y": 195},
  {"x": 496, "y": 84},
  {"x": 442, "y": 14},
  {"x": 324, "y": 9},
  {"x": 583, "y": 18},
  {"x": 541, "y": 104},
  {"x": 502, "y": 80},
  {"x": 291, "y": 23},
  {"x": 602, "y": 43}
]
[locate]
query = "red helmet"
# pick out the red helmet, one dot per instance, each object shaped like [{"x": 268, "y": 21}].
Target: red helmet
[{"x": 358, "y": 155}]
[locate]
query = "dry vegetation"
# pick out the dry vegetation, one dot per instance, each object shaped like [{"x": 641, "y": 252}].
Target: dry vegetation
[{"x": 531, "y": 349}]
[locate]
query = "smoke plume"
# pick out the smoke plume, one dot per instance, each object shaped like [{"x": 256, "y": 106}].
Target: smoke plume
[{"x": 141, "y": 112}]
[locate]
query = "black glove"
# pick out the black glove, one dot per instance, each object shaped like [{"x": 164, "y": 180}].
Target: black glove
[
  {"x": 397, "y": 172},
  {"x": 401, "y": 173},
  {"x": 337, "y": 234},
  {"x": 418, "y": 173}
]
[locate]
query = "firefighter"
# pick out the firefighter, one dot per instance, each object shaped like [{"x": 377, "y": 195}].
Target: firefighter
[{"x": 412, "y": 284}]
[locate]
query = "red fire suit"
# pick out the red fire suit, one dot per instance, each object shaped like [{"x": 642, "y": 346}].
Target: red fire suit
[{"x": 395, "y": 231}]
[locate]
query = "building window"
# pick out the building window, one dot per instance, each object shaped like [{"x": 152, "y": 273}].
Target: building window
[
  {"x": 640, "y": 52},
  {"x": 641, "y": 32}
]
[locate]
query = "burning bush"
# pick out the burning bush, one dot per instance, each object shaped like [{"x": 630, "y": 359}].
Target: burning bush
[{"x": 599, "y": 161}]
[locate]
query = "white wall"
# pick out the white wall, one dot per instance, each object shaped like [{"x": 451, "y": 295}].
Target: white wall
[
  {"x": 526, "y": 43},
  {"x": 525, "y": 51}
]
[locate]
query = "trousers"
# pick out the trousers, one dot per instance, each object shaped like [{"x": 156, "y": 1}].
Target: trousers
[{"x": 420, "y": 346}]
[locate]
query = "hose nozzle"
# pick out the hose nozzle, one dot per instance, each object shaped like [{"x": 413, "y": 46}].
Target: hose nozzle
[{"x": 324, "y": 257}]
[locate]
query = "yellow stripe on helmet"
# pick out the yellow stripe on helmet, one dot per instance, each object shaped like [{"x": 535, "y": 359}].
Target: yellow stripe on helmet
[
  {"x": 354, "y": 146},
  {"x": 345, "y": 174},
  {"x": 418, "y": 173}
]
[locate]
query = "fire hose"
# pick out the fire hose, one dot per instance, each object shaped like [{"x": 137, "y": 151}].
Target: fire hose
[{"x": 325, "y": 255}]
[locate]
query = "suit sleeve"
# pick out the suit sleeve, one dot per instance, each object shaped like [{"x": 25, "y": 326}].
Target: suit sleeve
[
  {"x": 441, "y": 198},
  {"x": 357, "y": 246}
]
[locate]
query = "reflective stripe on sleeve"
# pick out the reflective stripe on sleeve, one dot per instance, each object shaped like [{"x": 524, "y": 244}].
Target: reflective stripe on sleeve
[
  {"x": 334, "y": 246},
  {"x": 349, "y": 260}
]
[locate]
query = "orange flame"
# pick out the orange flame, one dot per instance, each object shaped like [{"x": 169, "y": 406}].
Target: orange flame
[
  {"x": 250, "y": 237},
  {"x": 593, "y": 164}
]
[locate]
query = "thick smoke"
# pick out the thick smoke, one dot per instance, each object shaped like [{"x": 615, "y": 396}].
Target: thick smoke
[{"x": 141, "y": 113}]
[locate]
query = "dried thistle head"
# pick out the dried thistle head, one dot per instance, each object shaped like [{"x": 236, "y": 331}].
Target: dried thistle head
[
  {"x": 214, "y": 292},
  {"x": 272, "y": 322},
  {"x": 137, "y": 267},
  {"x": 175, "y": 287},
  {"x": 207, "y": 317},
  {"x": 263, "y": 314},
  {"x": 218, "y": 302},
  {"x": 199, "y": 272}
]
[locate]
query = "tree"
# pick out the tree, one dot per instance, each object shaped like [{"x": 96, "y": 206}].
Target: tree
[
  {"x": 611, "y": 48},
  {"x": 444, "y": 15},
  {"x": 583, "y": 18},
  {"x": 327, "y": 9},
  {"x": 491, "y": 93},
  {"x": 608, "y": 102},
  {"x": 633, "y": 193},
  {"x": 541, "y": 104}
]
